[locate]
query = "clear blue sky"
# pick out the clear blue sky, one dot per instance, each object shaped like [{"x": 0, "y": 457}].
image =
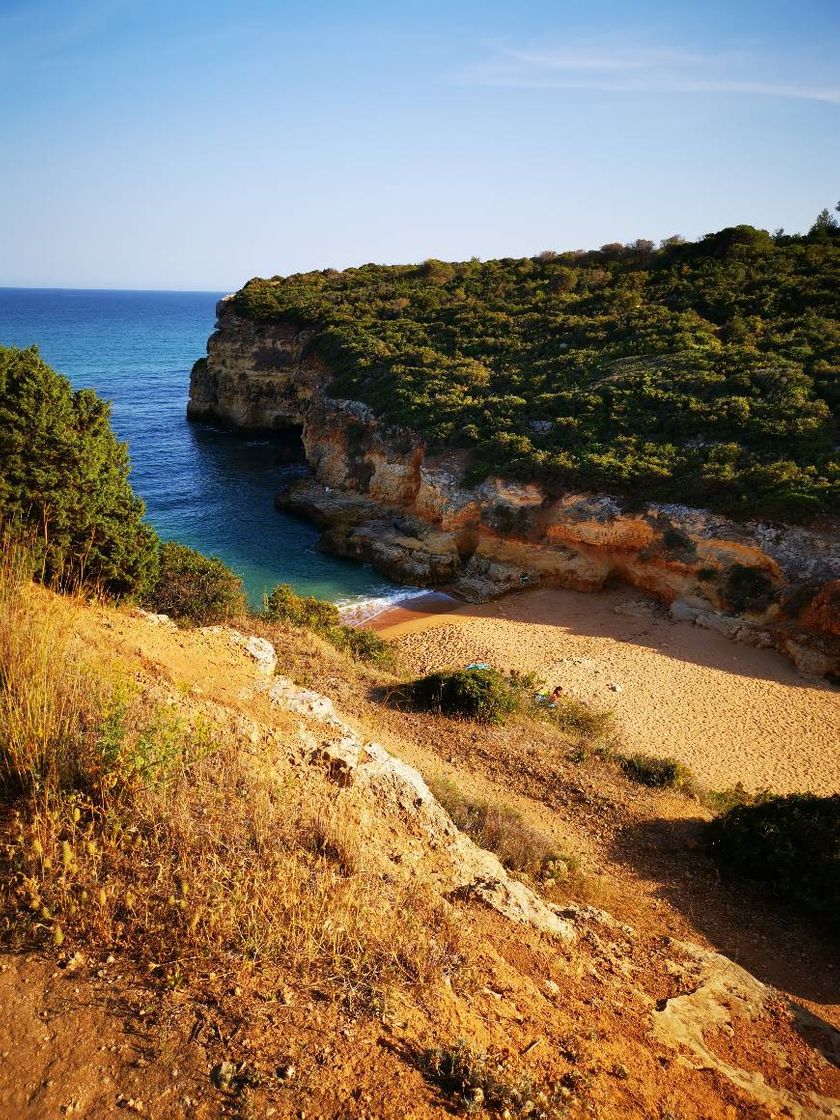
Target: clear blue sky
[{"x": 187, "y": 144}]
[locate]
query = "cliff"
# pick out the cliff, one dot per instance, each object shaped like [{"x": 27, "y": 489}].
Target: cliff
[{"x": 380, "y": 497}]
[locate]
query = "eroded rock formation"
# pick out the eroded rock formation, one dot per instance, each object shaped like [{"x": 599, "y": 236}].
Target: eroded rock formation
[{"x": 379, "y": 497}]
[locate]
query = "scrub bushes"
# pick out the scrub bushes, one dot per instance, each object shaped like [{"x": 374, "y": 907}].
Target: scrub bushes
[
  {"x": 788, "y": 846},
  {"x": 64, "y": 482},
  {"x": 195, "y": 588},
  {"x": 283, "y": 605}
]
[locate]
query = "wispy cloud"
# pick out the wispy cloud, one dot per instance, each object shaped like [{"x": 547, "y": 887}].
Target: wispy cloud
[{"x": 623, "y": 69}]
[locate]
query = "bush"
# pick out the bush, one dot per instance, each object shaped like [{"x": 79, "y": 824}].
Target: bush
[
  {"x": 485, "y": 695},
  {"x": 477, "y": 1081},
  {"x": 195, "y": 588},
  {"x": 576, "y": 718},
  {"x": 368, "y": 645},
  {"x": 657, "y": 773},
  {"x": 283, "y": 605},
  {"x": 488, "y": 696},
  {"x": 64, "y": 477},
  {"x": 789, "y": 846}
]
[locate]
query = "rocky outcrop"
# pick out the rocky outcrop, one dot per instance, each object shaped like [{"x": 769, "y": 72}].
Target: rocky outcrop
[
  {"x": 398, "y": 789},
  {"x": 379, "y": 497}
]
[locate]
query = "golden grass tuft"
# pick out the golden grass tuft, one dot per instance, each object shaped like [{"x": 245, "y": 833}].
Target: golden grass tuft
[
  {"x": 50, "y": 701},
  {"x": 501, "y": 829}
]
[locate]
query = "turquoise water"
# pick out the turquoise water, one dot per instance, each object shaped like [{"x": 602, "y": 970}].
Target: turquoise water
[{"x": 211, "y": 489}]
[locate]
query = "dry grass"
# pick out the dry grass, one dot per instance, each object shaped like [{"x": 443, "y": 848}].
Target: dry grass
[
  {"x": 503, "y": 830},
  {"x": 50, "y": 703},
  {"x": 477, "y": 1083},
  {"x": 136, "y": 826}
]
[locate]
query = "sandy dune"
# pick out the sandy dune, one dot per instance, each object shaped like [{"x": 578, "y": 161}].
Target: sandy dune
[{"x": 730, "y": 712}]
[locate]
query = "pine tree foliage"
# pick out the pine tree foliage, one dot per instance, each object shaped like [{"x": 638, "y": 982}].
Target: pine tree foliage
[{"x": 64, "y": 478}]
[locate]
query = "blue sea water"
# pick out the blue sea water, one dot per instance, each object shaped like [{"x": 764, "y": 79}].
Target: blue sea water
[{"x": 211, "y": 489}]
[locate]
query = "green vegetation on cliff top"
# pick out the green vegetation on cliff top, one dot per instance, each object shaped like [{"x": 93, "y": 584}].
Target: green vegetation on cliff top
[{"x": 705, "y": 373}]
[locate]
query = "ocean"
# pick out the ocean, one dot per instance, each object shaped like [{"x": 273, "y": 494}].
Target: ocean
[{"x": 209, "y": 488}]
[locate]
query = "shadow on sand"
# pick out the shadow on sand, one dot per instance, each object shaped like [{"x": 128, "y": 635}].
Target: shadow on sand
[{"x": 622, "y": 614}]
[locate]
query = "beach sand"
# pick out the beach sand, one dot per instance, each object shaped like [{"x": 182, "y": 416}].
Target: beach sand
[{"x": 730, "y": 712}]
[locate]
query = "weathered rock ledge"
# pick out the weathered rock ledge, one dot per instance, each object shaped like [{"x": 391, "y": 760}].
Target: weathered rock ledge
[{"x": 379, "y": 497}]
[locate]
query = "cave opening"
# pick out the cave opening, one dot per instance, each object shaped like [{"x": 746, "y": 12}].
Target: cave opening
[{"x": 289, "y": 447}]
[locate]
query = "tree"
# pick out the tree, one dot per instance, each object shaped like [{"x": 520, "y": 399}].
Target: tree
[
  {"x": 64, "y": 477},
  {"x": 825, "y": 225}
]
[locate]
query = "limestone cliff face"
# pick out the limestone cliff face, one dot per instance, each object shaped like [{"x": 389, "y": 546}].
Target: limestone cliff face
[
  {"x": 255, "y": 376},
  {"x": 381, "y": 498}
]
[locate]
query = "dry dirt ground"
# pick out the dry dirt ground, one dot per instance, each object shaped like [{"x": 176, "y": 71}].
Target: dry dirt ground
[{"x": 85, "y": 1033}]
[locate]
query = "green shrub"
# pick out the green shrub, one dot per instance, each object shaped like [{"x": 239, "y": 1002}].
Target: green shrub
[
  {"x": 489, "y": 696},
  {"x": 657, "y": 773},
  {"x": 485, "y": 695},
  {"x": 195, "y": 588},
  {"x": 282, "y": 604},
  {"x": 576, "y": 718},
  {"x": 368, "y": 645},
  {"x": 64, "y": 479},
  {"x": 788, "y": 846}
]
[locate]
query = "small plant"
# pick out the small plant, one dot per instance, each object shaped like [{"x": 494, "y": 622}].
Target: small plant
[
  {"x": 485, "y": 695},
  {"x": 195, "y": 588},
  {"x": 722, "y": 800},
  {"x": 577, "y": 718},
  {"x": 282, "y": 604},
  {"x": 657, "y": 773},
  {"x": 788, "y": 846},
  {"x": 477, "y": 1081},
  {"x": 504, "y": 831}
]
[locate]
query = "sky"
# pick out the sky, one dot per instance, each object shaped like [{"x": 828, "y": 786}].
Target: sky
[{"x": 193, "y": 145}]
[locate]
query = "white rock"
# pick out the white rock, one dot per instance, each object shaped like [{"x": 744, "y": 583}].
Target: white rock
[{"x": 263, "y": 653}]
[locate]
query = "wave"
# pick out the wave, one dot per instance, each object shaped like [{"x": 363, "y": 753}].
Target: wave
[{"x": 356, "y": 611}]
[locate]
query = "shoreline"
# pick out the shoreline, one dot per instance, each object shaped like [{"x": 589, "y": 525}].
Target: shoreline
[
  {"x": 421, "y": 609},
  {"x": 730, "y": 712}
]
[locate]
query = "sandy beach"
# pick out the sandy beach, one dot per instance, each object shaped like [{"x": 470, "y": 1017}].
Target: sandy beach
[{"x": 730, "y": 712}]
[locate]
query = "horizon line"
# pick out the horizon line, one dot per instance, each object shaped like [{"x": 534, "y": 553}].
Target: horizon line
[{"x": 73, "y": 288}]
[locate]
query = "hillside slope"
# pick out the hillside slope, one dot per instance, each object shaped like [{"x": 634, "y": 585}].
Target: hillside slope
[
  {"x": 305, "y": 925},
  {"x": 702, "y": 373}
]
